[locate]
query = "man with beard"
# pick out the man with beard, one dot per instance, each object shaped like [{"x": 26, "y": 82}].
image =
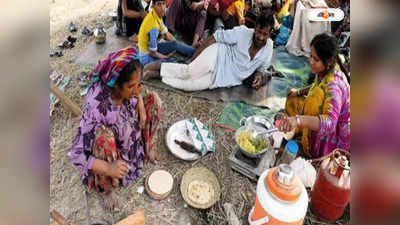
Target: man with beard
[{"x": 226, "y": 59}]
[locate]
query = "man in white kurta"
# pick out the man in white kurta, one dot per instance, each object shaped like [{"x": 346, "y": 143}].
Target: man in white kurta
[{"x": 226, "y": 59}]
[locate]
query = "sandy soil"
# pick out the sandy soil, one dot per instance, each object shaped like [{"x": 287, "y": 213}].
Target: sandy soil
[
  {"x": 63, "y": 12},
  {"x": 66, "y": 191}
]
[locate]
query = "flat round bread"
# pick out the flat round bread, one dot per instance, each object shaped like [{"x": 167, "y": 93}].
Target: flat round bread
[
  {"x": 200, "y": 191},
  {"x": 160, "y": 182}
]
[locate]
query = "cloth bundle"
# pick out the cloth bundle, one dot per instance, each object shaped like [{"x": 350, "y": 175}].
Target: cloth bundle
[{"x": 201, "y": 136}]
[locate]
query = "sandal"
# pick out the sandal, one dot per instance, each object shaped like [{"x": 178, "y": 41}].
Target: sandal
[
  {"x": 87, "y": 32},
  {"x": 72, "y": 27},
  {"x": 56, "y": 53},
  {"x": 71, "y": 39},
  {"x": 83, "y": 79},
  {"x": 66, "y": 45}
]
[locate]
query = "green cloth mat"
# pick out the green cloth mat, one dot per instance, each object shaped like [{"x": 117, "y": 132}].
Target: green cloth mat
[
  {"x": 296, "y": 70},
  {"x": 235, "y": 111}
]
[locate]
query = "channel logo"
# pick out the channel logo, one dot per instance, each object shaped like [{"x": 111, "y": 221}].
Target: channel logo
[{"x": 323, "y": 14}]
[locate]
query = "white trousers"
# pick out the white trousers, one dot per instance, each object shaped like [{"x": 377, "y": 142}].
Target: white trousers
[{"x": 196, "y": 76}]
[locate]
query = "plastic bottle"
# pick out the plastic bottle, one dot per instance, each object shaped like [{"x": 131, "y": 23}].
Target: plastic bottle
[{"x": 289, "y": 153}]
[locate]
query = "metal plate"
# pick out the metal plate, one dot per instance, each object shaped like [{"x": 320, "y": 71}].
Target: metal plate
[
  {"x": 178, "y": 131},
  {"x": 260, "y": 121}
]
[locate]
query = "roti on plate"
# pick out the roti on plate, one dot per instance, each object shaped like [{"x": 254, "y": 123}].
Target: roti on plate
[
  {"x": 160, "y": 182},
  {"x": 200, "y": 191}
]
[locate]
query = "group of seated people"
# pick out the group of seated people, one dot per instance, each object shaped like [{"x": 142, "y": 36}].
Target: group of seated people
[
  {"x": 145, "y": 24},
  {"x": 118, "y": 125},
  {"x": 186, "y": 16}
]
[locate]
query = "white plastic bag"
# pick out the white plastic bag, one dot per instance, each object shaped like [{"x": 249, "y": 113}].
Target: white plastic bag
[{"x": 305, "y": 171}]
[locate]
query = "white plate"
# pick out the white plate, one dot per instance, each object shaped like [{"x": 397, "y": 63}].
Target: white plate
[{"x": 178, "y": 131}]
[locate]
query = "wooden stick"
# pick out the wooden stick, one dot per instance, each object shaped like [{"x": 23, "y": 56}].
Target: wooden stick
[
  {"x": 65, "y": 100},
  {"x": 58, "y": 218}
]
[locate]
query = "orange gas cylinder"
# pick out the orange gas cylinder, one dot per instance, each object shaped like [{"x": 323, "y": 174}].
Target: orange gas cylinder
[
  {"x": 281, "y": 198},
  {"x": 331, "y": 191}
]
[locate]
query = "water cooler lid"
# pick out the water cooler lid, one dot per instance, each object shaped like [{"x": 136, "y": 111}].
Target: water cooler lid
[{"x": 283, "y": 183}]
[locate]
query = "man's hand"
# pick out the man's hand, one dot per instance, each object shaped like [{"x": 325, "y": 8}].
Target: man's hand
[
  {"x": 169, "y": 55},
  {"x": 143, "y": 14},
  {"x": 118, "y": 169},
  {"x": 168, "y": 36},
  {"x": 257, "y": 81},
  {"x": 203, "y": 45}
]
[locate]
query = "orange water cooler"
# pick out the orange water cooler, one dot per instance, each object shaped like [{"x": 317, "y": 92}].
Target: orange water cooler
[{"x": 281, "y": 198}]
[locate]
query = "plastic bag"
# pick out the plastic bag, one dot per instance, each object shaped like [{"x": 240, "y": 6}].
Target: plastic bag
[{"x": 305, "y": 171}]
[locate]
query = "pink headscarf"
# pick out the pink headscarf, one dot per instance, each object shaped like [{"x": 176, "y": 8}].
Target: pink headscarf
[{"x": 108, "y": 70}]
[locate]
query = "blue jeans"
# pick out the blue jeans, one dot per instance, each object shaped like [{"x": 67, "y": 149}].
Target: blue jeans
[
  {"x": 167, "y": 47},
  {"x": 180, "y": 47}
]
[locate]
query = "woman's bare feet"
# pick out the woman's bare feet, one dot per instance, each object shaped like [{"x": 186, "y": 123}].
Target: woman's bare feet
[
  {"x": 110, "y": 200},
  {"x": 152, "y": 156}
]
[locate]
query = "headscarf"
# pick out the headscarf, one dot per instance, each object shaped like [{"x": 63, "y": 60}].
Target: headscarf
[{"x": 108, "y": 70}]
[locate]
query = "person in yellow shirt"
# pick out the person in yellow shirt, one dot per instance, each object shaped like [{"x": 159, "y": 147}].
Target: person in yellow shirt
[
  {"x": 232, "y": 16},
  {"x": 152, "y": 27}
]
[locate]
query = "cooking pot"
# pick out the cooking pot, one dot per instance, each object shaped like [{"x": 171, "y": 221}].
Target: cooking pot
[{"x": 254, "y": 129}]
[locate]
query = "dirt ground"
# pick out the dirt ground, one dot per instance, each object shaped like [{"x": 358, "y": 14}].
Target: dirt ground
[{"x": 66, "y": 191}]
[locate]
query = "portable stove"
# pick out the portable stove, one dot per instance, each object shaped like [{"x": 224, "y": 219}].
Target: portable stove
[{"x": 251, "y": 167}]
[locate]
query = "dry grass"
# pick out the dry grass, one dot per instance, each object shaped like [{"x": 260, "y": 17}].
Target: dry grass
[{"x": 67, "y": 192}]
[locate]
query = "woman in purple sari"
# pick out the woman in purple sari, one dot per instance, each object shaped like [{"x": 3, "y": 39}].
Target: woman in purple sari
[{"x": 109, "y": 149}]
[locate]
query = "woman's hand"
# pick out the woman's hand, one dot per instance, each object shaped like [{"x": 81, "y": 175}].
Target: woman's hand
[
  {"x": 142, "y": 122},
  {"x": 196, "y": 6},
  {"x": 118, "y": 169},
  {"x": 141, "y": 112},
  {"x": 193, "y": 6},
  {"x": 287, "y": 124}
]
